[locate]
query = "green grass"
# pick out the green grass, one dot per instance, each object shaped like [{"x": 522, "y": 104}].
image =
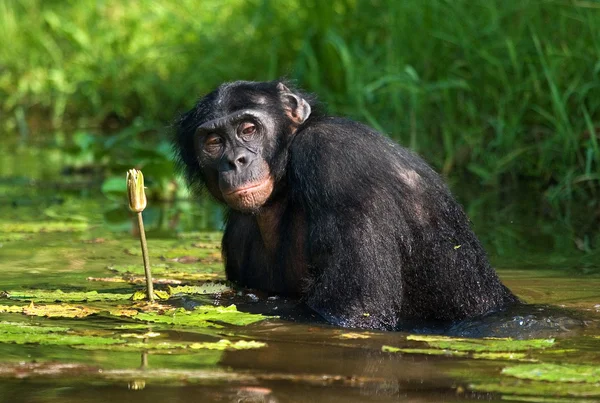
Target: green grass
[{"x": 506, "y": 90}]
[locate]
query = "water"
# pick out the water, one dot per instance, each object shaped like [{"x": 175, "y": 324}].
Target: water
[{"x": 304, "y": 359}]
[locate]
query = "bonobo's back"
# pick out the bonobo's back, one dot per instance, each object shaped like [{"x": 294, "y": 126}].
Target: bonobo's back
[{"x": 409, "y": 228}]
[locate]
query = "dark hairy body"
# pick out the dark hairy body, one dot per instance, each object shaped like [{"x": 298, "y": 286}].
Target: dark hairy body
[{"x": 332, "y": 212}]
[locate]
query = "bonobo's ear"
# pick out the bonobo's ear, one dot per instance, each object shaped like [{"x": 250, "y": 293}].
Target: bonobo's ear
[{"x": 295, "y": 107}]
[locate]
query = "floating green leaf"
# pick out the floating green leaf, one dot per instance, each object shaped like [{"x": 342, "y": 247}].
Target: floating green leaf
[
  {"x": 426, "y": 351},
  {"x": 140, "y": 336},
  {"x": 181, "y": 272},
  {"x": 24, "y": 328},
  {"x": 158, "y": 294},
  {"x": 485, "y": 349},
  {"x": 206, "y": 288},
  {"x": 174, "y": 347},
  {"x": 556, "y": 372},
  {"x": 480, "y": 345},
  {"x": 61, "y": 296},
  {"x": 202, "y": 316},
  {"x": 501, "y": 356},
  {"x": 51, "y": 310},
  {"x": 11, "y": 309},
  {"x": 19, "y": 333},
  {"x": 538, "y": 389}
]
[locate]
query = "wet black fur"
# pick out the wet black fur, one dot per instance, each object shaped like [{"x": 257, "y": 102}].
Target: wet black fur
[{"x": 386, "y": 243}]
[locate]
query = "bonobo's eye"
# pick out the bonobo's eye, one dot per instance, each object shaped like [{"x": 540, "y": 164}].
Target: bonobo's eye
[
  {"x": 246, "y": 130},
  {"x": 213, "y": 142}
]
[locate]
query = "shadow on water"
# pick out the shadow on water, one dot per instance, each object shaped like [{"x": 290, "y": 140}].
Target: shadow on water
[{"x": 305, "y": 359}]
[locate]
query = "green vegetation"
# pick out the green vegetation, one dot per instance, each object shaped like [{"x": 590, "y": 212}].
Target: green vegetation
[
  {"x": 483, "y": 349},
  {"x": 545, "y": 379},
  {"x": 25, "y": 334},
  {"x": 94, "y": 333},
  {"x": 556, "y": 372},
  {"x": 482, "y": 345},
  {"x": 201, "y": 316},
  {"x": 506, "y": 90},
  {"x": 58, "y": 295}
]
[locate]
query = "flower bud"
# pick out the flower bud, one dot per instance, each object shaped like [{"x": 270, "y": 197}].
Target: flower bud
[{"x": 135, "y": 190}]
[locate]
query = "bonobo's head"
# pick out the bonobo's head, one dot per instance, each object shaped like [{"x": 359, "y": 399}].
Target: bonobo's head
[{"x": 235, "y": 141}]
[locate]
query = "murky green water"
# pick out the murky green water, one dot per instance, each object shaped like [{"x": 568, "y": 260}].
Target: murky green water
[{"x": 54, "y": 236}]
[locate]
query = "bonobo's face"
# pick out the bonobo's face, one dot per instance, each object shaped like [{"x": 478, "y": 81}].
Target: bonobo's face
[
  {"x": 242, "y": 133},
  {"x": 233, "y": 151}
]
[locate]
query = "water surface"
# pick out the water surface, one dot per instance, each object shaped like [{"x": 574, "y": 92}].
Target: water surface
[{"x": 53, "y": 236}]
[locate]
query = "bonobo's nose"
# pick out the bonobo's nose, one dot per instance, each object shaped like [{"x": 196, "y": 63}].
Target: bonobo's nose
[{"x": 235, "y": 161}]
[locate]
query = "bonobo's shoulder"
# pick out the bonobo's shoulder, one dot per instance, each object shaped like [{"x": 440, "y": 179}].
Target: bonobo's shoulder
[
  {"x": 335, "y": 124},
  {"x": 336, "y": 144},
  {"x": 331, "y": 133}
]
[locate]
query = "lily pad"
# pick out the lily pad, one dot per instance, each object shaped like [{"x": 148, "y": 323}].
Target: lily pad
[
  {"x": 538, "y": 389},
  {"x": 50, "y": 311},
  {"x": 481, "y": 345},
  {"x": 19, "y": 333},
  {"x": 168, "y": 347},
  {"x": 556, "y": 372},
  {"x": 426, "y": 351},
  {"x": 158, "y": 294},
  {"x": 483, "y": 349},
  {"x": 202, "y": 316},
  {"x": 24, "y": 328},
  {"x": 181, "y": 272},
  {"x": 61, "y": 296},
  {"x": 502, "y": 356},
  {"x": 206, "y": 288}
]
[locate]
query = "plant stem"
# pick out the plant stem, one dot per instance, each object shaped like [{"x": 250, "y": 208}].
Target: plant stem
[{"x": 149, "y": 285}]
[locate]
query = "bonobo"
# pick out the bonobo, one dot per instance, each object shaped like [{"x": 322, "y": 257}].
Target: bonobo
[{"x": 330, "y": 211}]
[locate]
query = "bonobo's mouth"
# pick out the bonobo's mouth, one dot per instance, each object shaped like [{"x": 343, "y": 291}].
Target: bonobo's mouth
[
  {"x": 248, "y": 188},
  {"x": 249, "y": 197}
]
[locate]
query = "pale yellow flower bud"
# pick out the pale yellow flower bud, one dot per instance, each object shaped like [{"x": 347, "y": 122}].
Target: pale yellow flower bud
[{"x": 135, "y": 190}]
